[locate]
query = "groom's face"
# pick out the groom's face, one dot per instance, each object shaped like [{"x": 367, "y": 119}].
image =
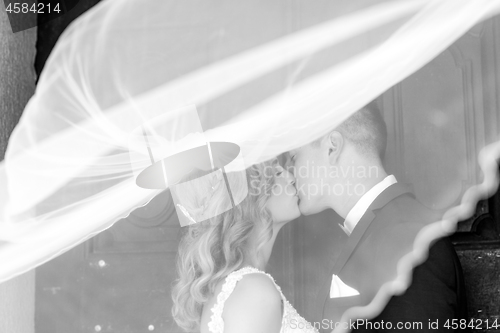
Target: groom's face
[{"x": 310, "y": 166}]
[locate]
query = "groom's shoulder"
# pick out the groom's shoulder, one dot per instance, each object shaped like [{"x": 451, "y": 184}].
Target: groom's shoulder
[
  {"x": 405, "y": 209},
  {"x": 402, "y": 218}
]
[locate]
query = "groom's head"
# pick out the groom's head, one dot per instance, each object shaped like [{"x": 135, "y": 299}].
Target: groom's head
[{"x": 334, "y": 167}]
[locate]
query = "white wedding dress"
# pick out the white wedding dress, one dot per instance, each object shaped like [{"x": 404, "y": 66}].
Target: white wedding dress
[{"x": 291, "y": 322}]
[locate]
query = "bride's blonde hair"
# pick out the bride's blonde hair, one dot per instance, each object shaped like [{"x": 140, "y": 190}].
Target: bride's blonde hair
[{"x": 210, "y": 250}]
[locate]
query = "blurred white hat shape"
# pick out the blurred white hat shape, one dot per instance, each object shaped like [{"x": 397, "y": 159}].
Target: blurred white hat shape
[{"x": 193, "y": 168}]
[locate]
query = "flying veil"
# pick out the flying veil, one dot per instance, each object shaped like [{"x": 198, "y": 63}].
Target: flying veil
[{"x": 112, "y": 92}]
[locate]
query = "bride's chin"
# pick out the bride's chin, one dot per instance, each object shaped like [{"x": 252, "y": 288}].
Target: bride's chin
[
  {"x": 283, "y": 222},
  {"x": 294, "y": 217}
]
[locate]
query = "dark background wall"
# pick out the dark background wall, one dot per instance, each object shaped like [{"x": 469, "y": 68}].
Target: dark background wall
[{"x": 17, "y": 83}]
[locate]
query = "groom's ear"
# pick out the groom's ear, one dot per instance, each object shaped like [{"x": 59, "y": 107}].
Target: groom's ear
[{"x": 334, "y": 146}]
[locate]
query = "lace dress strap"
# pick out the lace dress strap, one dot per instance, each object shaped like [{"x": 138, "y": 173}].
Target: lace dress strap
[{"x": 216, "y": 324}]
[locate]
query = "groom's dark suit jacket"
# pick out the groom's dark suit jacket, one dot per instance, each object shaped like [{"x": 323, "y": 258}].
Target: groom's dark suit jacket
[{"x": 384, "y": 234}]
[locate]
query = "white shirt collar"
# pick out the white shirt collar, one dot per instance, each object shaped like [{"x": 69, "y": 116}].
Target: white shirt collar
[{"x": 359, "y": 209}]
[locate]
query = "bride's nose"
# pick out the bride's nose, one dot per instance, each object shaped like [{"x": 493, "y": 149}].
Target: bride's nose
[{"x": 291, "y": 178}]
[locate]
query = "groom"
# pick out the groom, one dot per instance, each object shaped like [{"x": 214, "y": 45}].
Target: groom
[{"x": 381, "y": 219}]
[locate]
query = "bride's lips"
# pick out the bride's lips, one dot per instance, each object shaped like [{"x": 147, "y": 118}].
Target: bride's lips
[{"x": 297, "y": 195}]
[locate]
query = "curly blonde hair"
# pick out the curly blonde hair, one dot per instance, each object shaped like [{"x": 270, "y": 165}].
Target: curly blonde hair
[{"x": 210, "y": 250}]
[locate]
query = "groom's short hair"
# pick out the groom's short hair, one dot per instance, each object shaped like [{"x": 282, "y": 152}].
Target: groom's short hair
[{"x": 366, "y": 129}]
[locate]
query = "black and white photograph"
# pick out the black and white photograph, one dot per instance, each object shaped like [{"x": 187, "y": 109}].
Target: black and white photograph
[{"x": 249, "y": 166}]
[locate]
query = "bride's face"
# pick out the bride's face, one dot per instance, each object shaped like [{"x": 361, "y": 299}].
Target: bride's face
[{"x": 283, "y": 202}]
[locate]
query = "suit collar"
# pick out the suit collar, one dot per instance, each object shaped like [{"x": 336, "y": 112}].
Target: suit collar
[
  {"x": 364, "y": 203},
  {"x": 383, "y": 199},
  {"x": 389, "y": 194}
]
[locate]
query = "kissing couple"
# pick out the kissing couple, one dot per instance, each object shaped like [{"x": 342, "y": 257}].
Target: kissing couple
[{"x": 222, "y": 286}]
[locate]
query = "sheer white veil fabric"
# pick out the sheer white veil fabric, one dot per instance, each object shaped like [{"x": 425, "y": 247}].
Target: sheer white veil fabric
[{"x": 257, "y": 78}]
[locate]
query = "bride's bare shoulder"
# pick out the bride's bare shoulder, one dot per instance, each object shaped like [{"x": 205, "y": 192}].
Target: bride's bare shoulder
[
  {"x": 254, "y": 305},
  {"x": 256, "y": 287}
]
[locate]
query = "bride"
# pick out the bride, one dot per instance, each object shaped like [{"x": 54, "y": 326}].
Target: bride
[{"x": 222, "y": 286}]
